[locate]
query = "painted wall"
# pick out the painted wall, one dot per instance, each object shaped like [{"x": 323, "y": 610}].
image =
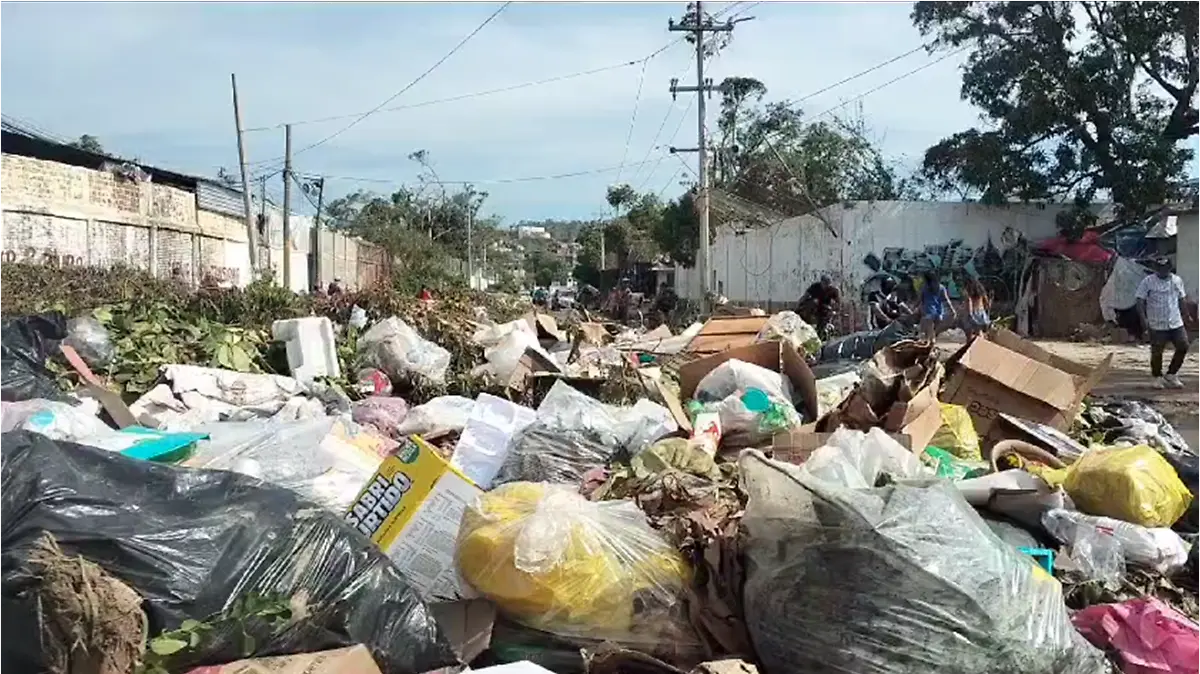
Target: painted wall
[
  {"x": 1187, "y": 244},
  {"x": 68, "y": 215},
  {"x": 771, "y": 267}
]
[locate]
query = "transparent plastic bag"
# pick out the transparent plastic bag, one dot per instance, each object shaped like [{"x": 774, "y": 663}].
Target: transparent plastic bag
[
  {"x": 856, "y": 460},
  {"x": 1134, "y": 484},
  {"x": 565, "y": 408},
  {"x": 396, "y": 348},
  {"x": 385, "y": 413},
  {"x": 902, "y": 579},
  {"x": 789, "y": 327},
  {"x": 957, "y": 433},
  {"x": 554, "y": 561},
  {"x": 442, "y": 415},
  {"x": 90, "y": 340},
  {"x": 724, "y": 390},
  {"x": 1159, "y": 548},
  {"x": 1097, "y": 553},
  {"x": 53, "y": 419}
]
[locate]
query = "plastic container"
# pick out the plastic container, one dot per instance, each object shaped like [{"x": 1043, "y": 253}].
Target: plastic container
[{"x": 311, "y": 347}]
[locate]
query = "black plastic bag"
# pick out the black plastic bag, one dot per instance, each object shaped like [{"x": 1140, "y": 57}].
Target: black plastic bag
[
  {"x": 26, "y": 343},
  {"x": 544, "y": 452},
  {"x": 192, "y": 542},
  {"x": 863, "y": 345}
]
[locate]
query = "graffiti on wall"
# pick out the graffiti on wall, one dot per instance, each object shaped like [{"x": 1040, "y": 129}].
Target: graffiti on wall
[
  {"x": 31, "y": 255},
  {"x": 997, "y": 267}
]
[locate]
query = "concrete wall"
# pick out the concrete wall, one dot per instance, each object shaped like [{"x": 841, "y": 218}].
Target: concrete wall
[
  {"x": 67, "y": 215},
  {"x": 771, "y": 266},
  {"x": 1187, "y": 244}
]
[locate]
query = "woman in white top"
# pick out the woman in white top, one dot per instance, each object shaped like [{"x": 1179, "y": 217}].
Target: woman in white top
[{"x": 1159, "y": 297}]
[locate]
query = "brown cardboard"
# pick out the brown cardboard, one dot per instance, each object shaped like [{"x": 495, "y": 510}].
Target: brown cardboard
[
  {"x": 352, "y": 660},
  {"x": 466, "y": 624},
  {"x": 1004, "y": 373},
  {"x": 593, "y": 333},
  {"x": 546, "y": 327},
  {"x": 531, "y": 362},
  {"x": 796, "y": 445},
  {"x": 108, "y": 399},
  {"x": 726, "y": 332},
  {"x": 776, "y": 356}
]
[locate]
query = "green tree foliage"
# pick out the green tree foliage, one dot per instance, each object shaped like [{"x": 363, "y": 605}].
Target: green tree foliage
[
  {"x": 89, "y": 143},
  {"x": 621, "y": 197},
  {"x": 1081, "y": 100},
  {"x": 545, "y": 268},
  {"x": 588, "y": 262}
]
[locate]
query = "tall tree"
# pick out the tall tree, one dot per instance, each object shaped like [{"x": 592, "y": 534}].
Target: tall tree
[
  {"x": 88, "y": 143},
  {"x": 1083, "y": 100}
]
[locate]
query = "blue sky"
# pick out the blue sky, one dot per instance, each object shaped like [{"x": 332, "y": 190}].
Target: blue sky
[{"x": 151, "y": 80}]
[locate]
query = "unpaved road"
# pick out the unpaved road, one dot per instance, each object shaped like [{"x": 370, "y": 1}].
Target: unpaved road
[{"x": 1130, "y": 378}]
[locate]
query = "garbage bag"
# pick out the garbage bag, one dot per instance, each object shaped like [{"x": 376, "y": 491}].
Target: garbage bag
[
  {"x": 542, "y": 452},
  {"x": 905, "y": 578},
  {"x": 554, "y": 561},
  {"x": 724, "y": 388},
  {"x": 789, "y": 327},
  {"x": 53, "y": 419},
  {"x": 396, "y": 348},
  {"x": 856, "y": 459},
  {"x": 385, "y": 413},
  {"x": 1157, "y": 548},
  {"x": 1134, "y": 484},
  {"x": 1147, "y": 635},
  {"x": 192, "y": 543},
  {"x": 25, "y": 344},
  {"x": 90, "y": 340},
  {"x": 957, "y": 433},
  {"x": 442, "y": 415},
  {"x": 864, "y": 344}
]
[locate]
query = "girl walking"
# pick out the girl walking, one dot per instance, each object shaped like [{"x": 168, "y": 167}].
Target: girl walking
[
  {"x": 935, "y": 301},
  {"x": 978, "y": 304}
]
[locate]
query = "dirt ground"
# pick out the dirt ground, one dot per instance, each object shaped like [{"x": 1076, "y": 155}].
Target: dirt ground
[{"x": 1130, "y": 377}]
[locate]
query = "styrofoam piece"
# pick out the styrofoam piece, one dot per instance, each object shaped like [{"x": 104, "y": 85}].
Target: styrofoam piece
[{"x": 311, "y": 347}]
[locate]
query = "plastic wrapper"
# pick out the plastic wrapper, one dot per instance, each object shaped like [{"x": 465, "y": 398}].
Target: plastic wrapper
[
  {"x": 442, "y": 415},
  {"x": 901, "y": 579},
  {"x": 304, "y": 456},
  {"x": 384, "y": 413},
  {"x": 491, "y": 335},
  {"x": 789, "y": 327},
  {"x": 951, "y": 467},
  {"x": 90, "y": 340},
  {"x": 1134, "y": 484},
  {"x": 485, "y": 442},
  {"x": 565, "y": 408},
  {"x": 957, "y": 433},
  {"x": 1097, "y": 553},
  {"x": 1160, "y": 548},
  {"x": 26, "y": 343},
  {"x": 1146, "y": 635},
  {"x": 863, "y": 345},
  {"x": 559, "y": 563},
  {"x": 358, "y": 317},
  {"x": 831, "y": 391},
  {"x": 193, "y": 543},
  {"x": 396, "y": 348},
  {"x": 53, "y": 419}
]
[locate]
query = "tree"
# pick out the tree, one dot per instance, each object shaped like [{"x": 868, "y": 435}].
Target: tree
[
  {"x": 88, "y": 143},
  {"x": 677, "y": 231},
  {"x": 546, "y": 268},
  {"x": 621, "y": 196},
  {"x": 1082, "y": 100},
  {"x": 588, "y": 262}
]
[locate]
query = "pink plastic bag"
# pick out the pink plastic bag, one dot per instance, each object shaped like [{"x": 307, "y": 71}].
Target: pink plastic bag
[{"x": 1150, "y": 636}]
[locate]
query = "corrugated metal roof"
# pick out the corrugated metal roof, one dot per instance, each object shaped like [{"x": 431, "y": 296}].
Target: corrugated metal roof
[{"x": 219, "y": 199}]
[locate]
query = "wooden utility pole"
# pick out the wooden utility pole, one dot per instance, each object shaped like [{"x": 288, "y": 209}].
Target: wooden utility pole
[
  {"x": 698, "y": 25},
  {"x": 314, "y": 245},
  {"x": 251, "y": 229},
  {"x": 287, "y": 206}
]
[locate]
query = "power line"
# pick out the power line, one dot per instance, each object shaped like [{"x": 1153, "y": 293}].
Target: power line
[
  {"x": 678, "y": 128},
  {"x": 410, "y": 85},
  {"x": 496, "y": 181},
  {"x": 857, "y": 75},
  {"x": 460, "y": 97},
  {"x": 633, "y": 118},
  {"x": 894, "y": 80}
]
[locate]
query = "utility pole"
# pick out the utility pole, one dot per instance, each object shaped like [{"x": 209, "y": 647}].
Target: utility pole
[
  {"x": 287, "y": 206},
  {"x": 314, "y": 239},
  {"x": 698, "y": 25},
  {"x": 470, "y": 250},
  {"x": 251, "y": 230}
]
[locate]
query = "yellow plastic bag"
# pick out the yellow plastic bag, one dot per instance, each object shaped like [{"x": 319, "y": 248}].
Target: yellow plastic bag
[
  {"x": 957, "y": 433},
  {"x": 557, "y": 562},
  {"x": 1134, "y": 484}
]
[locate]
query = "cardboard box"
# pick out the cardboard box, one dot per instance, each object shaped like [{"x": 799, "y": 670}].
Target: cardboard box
[
  {"x": 776, "y": 356},
  {"x": 796, "y": 445},
  {"x": 1004, "y": 373},
  {"x": 411, "y": 509},
  {"x": 721, "y": 333},
  {"x": 466, "y": 624},
  {"x": 352, "y": 660}
]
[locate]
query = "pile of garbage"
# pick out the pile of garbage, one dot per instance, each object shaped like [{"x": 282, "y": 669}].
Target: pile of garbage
[{"x": 738, "y": 497}]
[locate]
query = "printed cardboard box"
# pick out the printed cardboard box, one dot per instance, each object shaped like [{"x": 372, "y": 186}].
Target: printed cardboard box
[{"x": 352, "y": 660}]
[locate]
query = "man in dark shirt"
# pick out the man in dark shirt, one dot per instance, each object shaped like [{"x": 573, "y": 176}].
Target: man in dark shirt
[{"x": 823, "y": 297}]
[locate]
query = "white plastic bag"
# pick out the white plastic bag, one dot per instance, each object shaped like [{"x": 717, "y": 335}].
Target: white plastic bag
[
  {"x": 397, "y": 349},
  {"x": 491, "y": 335},
  {"x": 90, "y": 340},
  {"x": 55, "y": 420},
  {"x": 831, "y": 391},
  {"x": 485, "y": 442},
  {"x": 728, "y": 382},
  {"x": 442, "y": 415},
  {"x": 503, "y": 358},
  {"x": 856, "y": 460},
  {"x": 789, "y": 327},
  {"x": 1119, "y": 290}
]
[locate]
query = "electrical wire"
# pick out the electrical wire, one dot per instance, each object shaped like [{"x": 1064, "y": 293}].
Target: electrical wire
[
  {"x": 857, "y": 75},
  {"x": 633, "y": 118},
  {"x": 678, "y": 128},
  {"x": 407, "y": 87},
  {"x": 892, "y": 81},
  {"x": 496, "y": 181}
]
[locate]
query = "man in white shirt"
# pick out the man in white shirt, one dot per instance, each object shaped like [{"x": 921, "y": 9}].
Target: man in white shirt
[{"x": 1159, "y": 297}]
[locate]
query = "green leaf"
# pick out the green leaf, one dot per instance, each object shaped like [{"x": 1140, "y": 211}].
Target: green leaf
[
  {"x": 241, "y": 360},
  {"x": 189, "y": 625},
  {"x": 224, "y": 356},
  {"x": 167, "y": 646}
]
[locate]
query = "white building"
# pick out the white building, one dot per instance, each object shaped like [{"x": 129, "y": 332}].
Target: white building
[{"x": 532, "y": 232}]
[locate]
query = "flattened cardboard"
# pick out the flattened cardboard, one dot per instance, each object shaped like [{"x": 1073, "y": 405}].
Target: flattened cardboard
[
  {"x": 776, "y": 356},
  {"x": 531, "y": 362},
  {"x": 466, "y": 624},
  {"x": 1002, "y": 372},
  {"x": 593, "y": 333},
  {"x": 721, "y": 333},
  {"x": 352, "y": 660},
  {"x": 546, "y": 327}
]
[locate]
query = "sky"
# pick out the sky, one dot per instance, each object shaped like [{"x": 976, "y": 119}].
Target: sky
[{"x": 152, "y": 82}]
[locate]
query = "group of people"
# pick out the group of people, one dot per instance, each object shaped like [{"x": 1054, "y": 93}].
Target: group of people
[{"x": 821, "y": 300}]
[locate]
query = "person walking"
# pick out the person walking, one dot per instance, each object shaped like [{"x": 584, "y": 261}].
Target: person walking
[
  {"x": 1159, "y": 299},
  {"x": 935, "y": 300},
  {"x": 978, "y": 303}
]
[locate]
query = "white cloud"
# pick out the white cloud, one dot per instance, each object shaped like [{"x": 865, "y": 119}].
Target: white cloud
[{"x": 152, "y": 80}]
